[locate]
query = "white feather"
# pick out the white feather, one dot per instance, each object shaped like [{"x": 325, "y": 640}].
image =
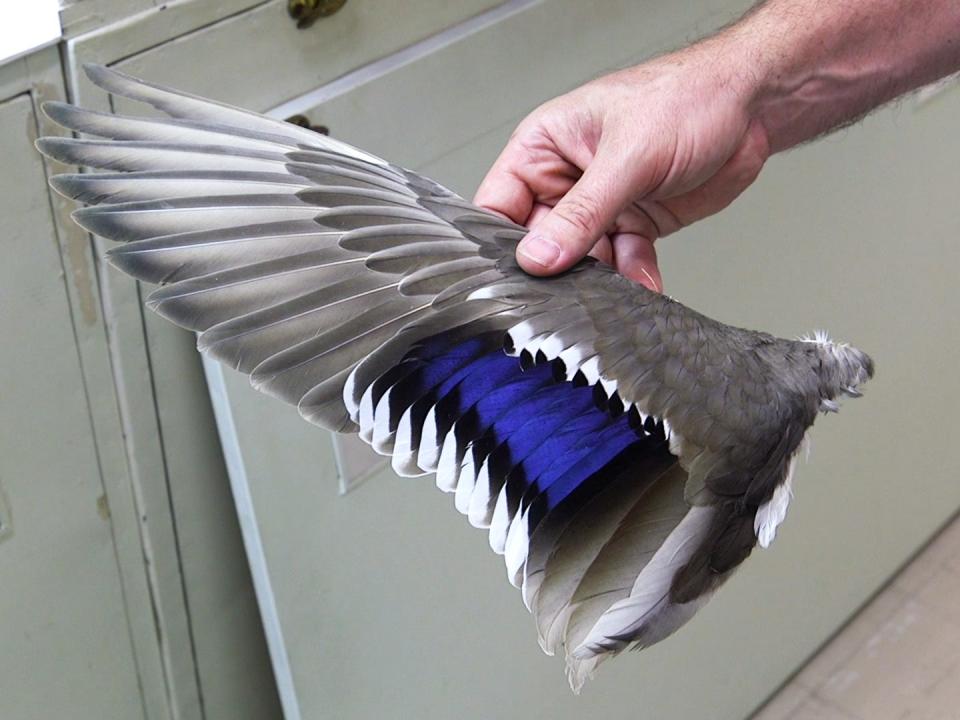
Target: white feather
[
  {"x": 465, "y": 483},
  {"x": 448, "y": 466},
  {"x": 591, "y": 369},
  {"x": 774, "y": 511},
  {"x": 406, "y": 465},
  {"x": 820, "y": 337},
  {"x": 515, "y": 551},
  {"x": 534, "y": 343},
  {"x": 352, "y": 409},
  {"x": 521, "y": 333},
  {"x": 573, "y": 357},
  {"x": 382, "y": 440},
  {"x": 609, "y": 386},
  {"x": 557, "y": 342},
  {"x": 403, "y": 438},
  {"x": 642, "y": 414},
  {"x": 495, "y": 290},
  {"x": 567, "y": 336},
  {"x": 478, "y": 511},
  {"x": 500, "y": 523},
  {"x": 365, "y": 416},
  {"x": 404, "y": 459},
  {"x": 429, "y": 454}
]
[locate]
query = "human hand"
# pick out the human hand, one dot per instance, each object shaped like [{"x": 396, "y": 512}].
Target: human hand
[{"x": 621, "y": 161}]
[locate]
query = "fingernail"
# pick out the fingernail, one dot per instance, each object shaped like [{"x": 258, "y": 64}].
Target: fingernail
[{"x": 541, "y": 250}]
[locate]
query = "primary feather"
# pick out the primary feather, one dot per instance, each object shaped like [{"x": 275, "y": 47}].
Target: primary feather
[{"x": 623, "y": 452}]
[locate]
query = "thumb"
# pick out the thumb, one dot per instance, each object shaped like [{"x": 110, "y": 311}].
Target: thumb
[{"x": 568, "y": 232}]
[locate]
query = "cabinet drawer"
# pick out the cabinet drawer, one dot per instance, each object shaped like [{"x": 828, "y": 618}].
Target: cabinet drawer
[
  {"x": 260, "y": 58},
  {"x": 78, "y": 17}
]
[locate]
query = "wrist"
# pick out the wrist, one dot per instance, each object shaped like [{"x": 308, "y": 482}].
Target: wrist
[
  {"x": 812, "y": 69},
  {"x": 783, "y": 84},
  {"x": 737, "y": 75},
  {"x": 805, "y": 79}
]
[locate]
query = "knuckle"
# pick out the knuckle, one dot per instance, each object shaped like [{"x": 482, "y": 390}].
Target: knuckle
[{"x": 583, "y": 213}]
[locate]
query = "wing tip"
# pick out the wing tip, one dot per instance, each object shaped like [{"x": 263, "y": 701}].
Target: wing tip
[
  {"x": 58, "y": 111},
  {"x": 55, "y": 148},
  {"x": 581, "y": 669},
  {"x": 102, "y": 76},
  {"x": 67, "y": 150},
  {"x": 120, "y": 258},
  {"x": 75, "y": 186},
  {"x": 96, "y": 221}
]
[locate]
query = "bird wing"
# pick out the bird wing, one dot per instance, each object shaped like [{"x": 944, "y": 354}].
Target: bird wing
[{"x": 606, "y": 436}]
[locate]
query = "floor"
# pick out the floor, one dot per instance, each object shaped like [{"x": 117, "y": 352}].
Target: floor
[{"x": 899, "y": 659}]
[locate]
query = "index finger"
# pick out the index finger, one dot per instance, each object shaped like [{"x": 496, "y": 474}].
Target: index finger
[{"x": 503, "y": 190}]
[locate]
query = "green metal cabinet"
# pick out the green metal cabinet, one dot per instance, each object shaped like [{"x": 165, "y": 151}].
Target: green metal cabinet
[
  {"x": 67, "y": 629},
  {"x": 141, "y": 584},
  {"x": 122, "y": 598}
]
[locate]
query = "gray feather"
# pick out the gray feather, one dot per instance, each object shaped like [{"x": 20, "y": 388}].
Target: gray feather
[
  {"x": 98, "y": 188},
  {"x": 173, "y": 258},
  {"x": 118, "y": 127},
  {"x": 136, "y": 155},
  {"x": 374, "y": 239},
  {"x": 434, "y": 279},
  {"x": 336, "y": 195},
  {"x": 411, "y": 257},
  {"x": 210, "y": 299},
  {"x": 155, "y": 218},
  {"x": 337, "y": 171},
  {"x": 290, "y": 373},
  {"x": 244, "y": 342}
]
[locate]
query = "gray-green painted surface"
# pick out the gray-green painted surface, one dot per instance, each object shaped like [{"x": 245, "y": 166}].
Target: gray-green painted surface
[
  {"x": 79, "y": 17},
  {"x": 260, "y": 58},
  {"x": 392, "y": 606},
  {"x": 40, "y": 76},
  {"x": 227, "y": 645},
  {"x": 208, "y": 657},
  {"x": 65, "y": 637}
]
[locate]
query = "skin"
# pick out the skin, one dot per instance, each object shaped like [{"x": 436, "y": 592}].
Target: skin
[{"x": 636, "y": 155}]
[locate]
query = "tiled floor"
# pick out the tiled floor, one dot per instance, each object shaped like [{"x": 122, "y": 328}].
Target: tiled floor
[{"x": 899, "y": 659}]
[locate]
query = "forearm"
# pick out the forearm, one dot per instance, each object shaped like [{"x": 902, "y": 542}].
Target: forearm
[{"x": 812, "y": 65}]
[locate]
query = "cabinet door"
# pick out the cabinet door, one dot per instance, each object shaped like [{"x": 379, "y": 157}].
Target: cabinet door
[{"x": 65, "y": 633}]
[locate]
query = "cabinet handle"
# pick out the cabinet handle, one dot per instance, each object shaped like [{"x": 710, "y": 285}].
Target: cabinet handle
[
  {"x": 307, "y": 12},
  {"x": 304, "y": 122}
]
